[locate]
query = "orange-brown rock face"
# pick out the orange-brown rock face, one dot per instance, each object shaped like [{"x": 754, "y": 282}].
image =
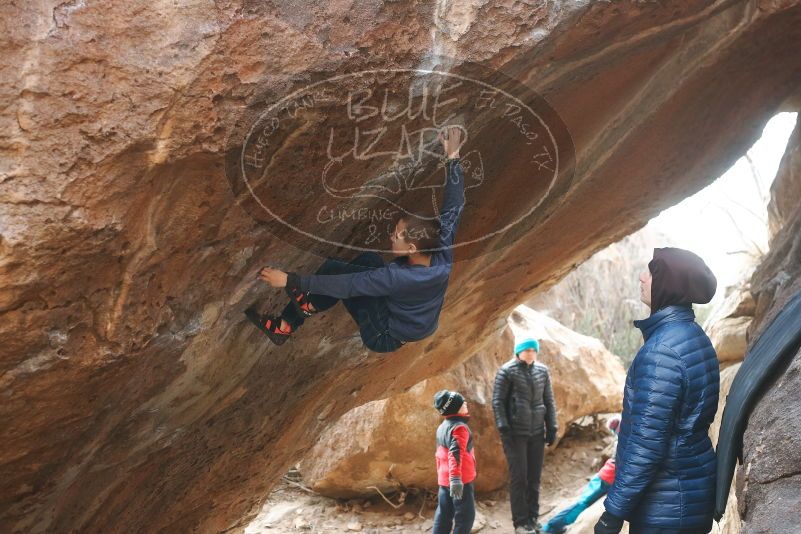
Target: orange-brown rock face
[{"x": 135, "y": 397}]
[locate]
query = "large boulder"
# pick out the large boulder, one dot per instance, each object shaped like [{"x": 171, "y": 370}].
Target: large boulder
[
  {"x": 135, "y": 397},
  {"x": 769, "y": 483},
  {"x": 389, "y": 444},
  {"x": 727, "y": 325}
]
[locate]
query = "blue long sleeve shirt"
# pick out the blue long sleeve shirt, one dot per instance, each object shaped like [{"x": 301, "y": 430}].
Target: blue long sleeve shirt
[{"x": 414, "y": 293}]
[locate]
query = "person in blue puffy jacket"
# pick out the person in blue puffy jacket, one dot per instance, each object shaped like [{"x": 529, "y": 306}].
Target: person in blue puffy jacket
[{"x": 665, "y": 479}]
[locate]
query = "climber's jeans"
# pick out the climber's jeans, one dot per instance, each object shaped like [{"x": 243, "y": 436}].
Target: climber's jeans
[
  {"x": 524, "y": 455},
  {"x": 370, "y": 313},
  {"x": 456, "y": 513}
]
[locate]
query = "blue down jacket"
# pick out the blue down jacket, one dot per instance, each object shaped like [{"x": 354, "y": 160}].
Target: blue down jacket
[{"x": 665, "y": 461}]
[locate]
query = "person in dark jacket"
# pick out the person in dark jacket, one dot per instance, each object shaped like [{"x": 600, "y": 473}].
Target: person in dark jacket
[
  {"x": 394, "y": 303},
  {"x": 456, "y": 466},
  {"x": 525, "y": 414},
  {"x": 665, "y": 479}
]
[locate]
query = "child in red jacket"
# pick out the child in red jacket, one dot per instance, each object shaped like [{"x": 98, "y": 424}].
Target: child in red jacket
[{"x": 456, "y": 466}]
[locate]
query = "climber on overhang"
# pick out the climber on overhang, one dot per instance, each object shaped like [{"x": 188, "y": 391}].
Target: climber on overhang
[{"x": 392, "y": 304}]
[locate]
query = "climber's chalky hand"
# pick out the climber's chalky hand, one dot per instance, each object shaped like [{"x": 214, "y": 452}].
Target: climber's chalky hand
[
  {"x": 274, "y": 277},
  {"x": 451, "y": 139}
]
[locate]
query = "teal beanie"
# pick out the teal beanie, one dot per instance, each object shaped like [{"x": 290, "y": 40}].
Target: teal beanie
[{"x": 529, "y": 343}]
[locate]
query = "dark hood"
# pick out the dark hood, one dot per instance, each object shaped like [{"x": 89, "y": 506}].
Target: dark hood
[{"x": 679, "y": 277}]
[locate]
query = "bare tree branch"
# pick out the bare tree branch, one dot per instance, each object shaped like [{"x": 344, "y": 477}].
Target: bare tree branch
[{"x": 392, "y": 504}]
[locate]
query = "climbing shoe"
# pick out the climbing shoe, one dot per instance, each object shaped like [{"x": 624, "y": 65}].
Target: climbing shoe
[
  {"x": 299, "y": 299},
  {"x": 271, "y": 326}
]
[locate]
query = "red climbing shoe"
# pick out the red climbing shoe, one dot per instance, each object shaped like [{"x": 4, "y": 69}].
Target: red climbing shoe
[
  {"x": 270, "y": 325},
  {"x": 300, "y": 299},
  {"x": 302, "y": 305}
]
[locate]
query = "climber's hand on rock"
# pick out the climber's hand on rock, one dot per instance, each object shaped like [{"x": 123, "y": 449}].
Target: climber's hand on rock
[
  {"x": 451, "y": 139},
  {"x": 274, "y": 277}
]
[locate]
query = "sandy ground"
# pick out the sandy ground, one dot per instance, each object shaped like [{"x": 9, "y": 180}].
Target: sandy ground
[{"x": 289, "y": 509}]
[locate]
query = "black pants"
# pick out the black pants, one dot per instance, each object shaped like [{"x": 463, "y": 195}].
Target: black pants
[
  {"x": 462, "y": 511},
  {"x": 370, "y": 313},
  {"x": 524, "y": 455}
]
